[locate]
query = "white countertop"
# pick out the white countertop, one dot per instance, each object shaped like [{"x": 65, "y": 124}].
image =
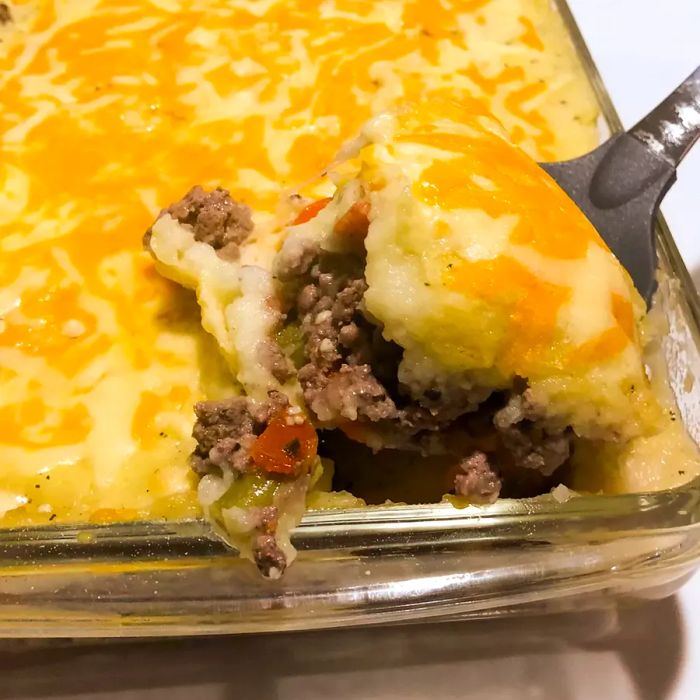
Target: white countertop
[{"x": 643, "y": 48}]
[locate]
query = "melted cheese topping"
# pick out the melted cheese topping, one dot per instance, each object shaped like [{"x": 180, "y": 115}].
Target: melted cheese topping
[
  {"x": 531, "y": 251},
  {"x": 111, "y": 109}
]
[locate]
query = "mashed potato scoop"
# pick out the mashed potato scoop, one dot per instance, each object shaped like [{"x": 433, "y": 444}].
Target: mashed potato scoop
[{"x": 446, "y": 317}]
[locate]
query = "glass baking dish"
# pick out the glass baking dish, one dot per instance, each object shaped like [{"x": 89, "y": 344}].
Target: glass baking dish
[{"x": 379, "y": 564}]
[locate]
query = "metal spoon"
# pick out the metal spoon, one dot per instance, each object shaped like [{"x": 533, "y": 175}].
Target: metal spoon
[{"x": 620, "y": 184}]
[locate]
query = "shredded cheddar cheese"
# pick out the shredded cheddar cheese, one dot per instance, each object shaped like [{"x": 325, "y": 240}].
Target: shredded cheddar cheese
[{"x": 110, "y": 110}]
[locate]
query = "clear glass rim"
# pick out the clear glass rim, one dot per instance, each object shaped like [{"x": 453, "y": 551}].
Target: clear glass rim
[{"x": 582, "y": 517}]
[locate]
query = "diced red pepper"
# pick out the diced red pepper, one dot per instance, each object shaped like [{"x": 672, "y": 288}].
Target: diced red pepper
[
  {"x": 354, "y": 224},
  {"x": 286, "y": 446},
  {"x": 310, "y": 211}
]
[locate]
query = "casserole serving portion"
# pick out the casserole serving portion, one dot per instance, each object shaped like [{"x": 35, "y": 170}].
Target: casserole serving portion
[
  {"x": 448, "y": 308},
  {"x": 111, "y": 110}
]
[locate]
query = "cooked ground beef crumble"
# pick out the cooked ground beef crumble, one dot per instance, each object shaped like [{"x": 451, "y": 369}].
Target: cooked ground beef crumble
[
  {"x": 226, "y": 429},
  {"x": 350, "y": 375},
  {"x": 477, "y": 479},
  {"x": 350, "y": 370},
  {"x": 214, "y": 217}
]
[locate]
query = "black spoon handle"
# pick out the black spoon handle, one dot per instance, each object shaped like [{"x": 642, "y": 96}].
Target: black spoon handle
[
  {"x": 670, "y": 130},
  {"x": 620, "y": 184}
]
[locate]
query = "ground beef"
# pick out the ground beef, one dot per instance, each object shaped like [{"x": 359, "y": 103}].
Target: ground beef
[
  {"x": 271, "y": 357},
  {"x": 226, "y": 429},
  {"x": 349, "y": 393},
  {"x": 296, "y": 258},
  {"x": 266, "y": 518},
  {"x": 434, "y": 410},
  {"x": 336, "y": 308},
  {"x": 477, "y": 479},
  {"x": 531, "y": 440},
  {"x": 215, "y": 219},
  {"x": 337, "y": 379},
  {"x": 268, "y": 557},
  {"x": 445, "y": 397},
  {"x": 351, "y": 371},
  {"x": 352, "y": 374},
  {"x": 5, "y": 14},
  {"x": 532, "y": 448}
]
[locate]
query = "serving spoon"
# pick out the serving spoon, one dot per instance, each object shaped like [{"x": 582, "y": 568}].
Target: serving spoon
[{"x": 620, "y": 184}]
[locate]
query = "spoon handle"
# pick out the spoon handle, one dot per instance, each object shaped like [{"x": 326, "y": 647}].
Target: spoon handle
[{"x": 671, "y": 128}]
